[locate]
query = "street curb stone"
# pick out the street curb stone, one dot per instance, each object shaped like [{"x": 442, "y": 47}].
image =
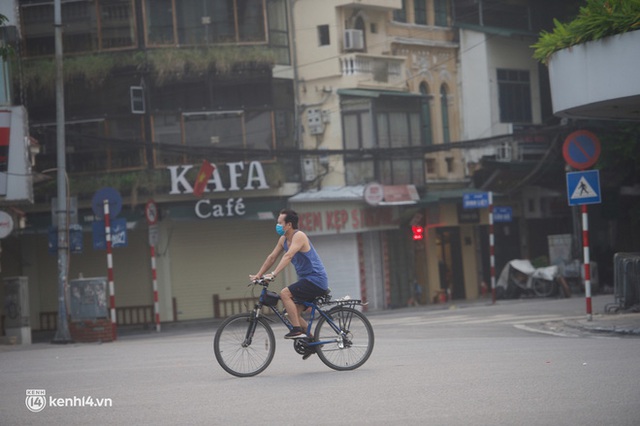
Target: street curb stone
[{"x": 623, "y": 324}]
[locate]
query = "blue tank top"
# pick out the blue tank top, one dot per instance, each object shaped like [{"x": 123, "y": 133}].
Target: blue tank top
[{"x": 309, "y": 266}]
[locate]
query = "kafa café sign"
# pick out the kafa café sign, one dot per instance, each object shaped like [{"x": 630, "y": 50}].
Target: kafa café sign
[{"x": 241, "y": 177}]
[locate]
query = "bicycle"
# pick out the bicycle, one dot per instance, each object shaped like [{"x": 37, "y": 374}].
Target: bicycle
[{"x": 244, "y": 344}]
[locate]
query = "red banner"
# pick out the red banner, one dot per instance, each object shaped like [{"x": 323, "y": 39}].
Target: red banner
[
  {"x": 5, "y": 133},
  {"x": 203, "y": 177}
]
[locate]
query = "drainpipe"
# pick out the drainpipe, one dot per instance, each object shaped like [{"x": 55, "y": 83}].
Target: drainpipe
[{"x": 294, "y": 62}]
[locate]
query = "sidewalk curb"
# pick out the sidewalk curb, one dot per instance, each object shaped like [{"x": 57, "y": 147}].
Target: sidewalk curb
[
  {"x": 599, "y": 328},
  {"x": 542, "y": 330}
]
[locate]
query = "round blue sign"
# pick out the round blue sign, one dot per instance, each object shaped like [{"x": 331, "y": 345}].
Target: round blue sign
[
  {"x": 581, "y": 149},
  {"x": 114, "y": 198}
]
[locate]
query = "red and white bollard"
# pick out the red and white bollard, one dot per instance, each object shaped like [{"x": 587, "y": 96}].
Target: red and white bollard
[
  {"x": 112, "y": 296},
  {"x": 156, "y": 303},
  {"x": 492, "y": 255},
  {"x": 587, "y": 260}
]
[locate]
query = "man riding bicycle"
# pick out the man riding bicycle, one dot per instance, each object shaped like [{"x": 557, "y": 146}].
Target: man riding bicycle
[{"x": 312, "y": 276}]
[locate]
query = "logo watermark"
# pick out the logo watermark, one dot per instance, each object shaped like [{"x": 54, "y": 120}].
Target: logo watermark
[{"x": 37, "y": 400}]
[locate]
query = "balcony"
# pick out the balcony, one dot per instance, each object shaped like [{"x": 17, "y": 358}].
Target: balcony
[
  {"x": 377, "y": 4},
  {"x": 596, "y": 79},
  {"x": 373, "y": 71}
]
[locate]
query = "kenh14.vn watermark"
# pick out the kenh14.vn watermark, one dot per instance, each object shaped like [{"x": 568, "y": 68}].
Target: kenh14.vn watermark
[{"x": 37, "y": 400}]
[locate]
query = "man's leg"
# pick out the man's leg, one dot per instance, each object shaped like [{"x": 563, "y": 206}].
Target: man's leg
[
  {"x": 303, "y": 322},
  {"x": 293, "y": 310}
]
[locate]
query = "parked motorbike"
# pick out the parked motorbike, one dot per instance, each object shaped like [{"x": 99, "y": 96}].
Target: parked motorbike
[{"x": 519, "y": 277}]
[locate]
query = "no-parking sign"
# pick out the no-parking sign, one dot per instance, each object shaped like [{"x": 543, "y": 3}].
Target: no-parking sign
[{"x": 581, "y": 149}]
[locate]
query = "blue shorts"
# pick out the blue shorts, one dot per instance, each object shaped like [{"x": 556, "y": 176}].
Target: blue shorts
[{"x": 305, "y": 291}]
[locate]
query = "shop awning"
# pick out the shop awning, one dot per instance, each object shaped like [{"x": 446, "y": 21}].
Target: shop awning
[
  {"x": 365, "y": 93},
  {"x": 394, "y": 195},
  {"x": 330, "y": 193}
]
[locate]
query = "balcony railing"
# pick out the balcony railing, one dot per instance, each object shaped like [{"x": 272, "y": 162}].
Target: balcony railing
[{"x": 373, "y": 71}]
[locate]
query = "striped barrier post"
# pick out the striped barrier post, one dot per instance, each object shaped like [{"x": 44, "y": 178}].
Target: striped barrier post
[
  {"x": 154, "y": 276},
  {"x": 492, "y": 257},
  {"x": 587, "y": 260},
  {"x": 112, "y": 296}
]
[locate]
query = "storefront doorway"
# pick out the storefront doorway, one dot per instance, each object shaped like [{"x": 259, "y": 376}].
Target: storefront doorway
[{"x": 450, "y": 262}]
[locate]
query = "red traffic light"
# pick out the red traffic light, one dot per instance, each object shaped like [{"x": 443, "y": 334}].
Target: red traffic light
[{"x": 418, "y": 232}]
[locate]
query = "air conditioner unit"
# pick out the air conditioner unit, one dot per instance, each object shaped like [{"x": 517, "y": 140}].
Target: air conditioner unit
[{"x": 353, "y": 39}]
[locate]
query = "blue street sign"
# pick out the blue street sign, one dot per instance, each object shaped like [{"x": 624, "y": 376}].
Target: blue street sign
[
  {"x": 75, "y": 241},
  {"x": 502, "y": 214},
  {"x": 476, "y": 200},
  {"x": 118, "y": 234},
  {"x": 114, "y": 198},
  {"x": 583, "y": 187}
]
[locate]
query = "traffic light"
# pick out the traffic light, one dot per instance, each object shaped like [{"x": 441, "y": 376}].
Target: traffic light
[{"x": 418, "y": 232}]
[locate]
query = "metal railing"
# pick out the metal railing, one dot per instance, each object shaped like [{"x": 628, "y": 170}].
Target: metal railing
[
  {"x": 223, "y": 308},
  {"x": 126, "y": 315},
  {"x": 626, "y": 281}
]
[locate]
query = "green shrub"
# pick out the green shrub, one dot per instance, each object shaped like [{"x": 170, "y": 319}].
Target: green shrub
[{"x": 596, "y": 20}]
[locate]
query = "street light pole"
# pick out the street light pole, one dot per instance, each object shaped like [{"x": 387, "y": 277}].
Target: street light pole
[{"x": 62, "y": 331}]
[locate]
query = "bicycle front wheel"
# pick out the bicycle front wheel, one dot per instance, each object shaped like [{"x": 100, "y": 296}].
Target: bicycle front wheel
[
  {"x": 240, "y": 352},
  {"x": 348, "y": 348}
]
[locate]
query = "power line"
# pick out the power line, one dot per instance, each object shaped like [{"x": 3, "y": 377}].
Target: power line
[{"x": 396, "y": 152}]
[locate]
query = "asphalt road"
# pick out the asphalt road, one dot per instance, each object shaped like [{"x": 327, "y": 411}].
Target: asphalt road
[{"x": 450, "y": 365}]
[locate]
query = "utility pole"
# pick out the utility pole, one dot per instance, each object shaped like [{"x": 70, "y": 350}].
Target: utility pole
[{"x": 62, "y": 331}]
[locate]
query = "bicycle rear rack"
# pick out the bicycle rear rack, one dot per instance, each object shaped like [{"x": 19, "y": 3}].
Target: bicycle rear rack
[{"x": 346, "y": 302}]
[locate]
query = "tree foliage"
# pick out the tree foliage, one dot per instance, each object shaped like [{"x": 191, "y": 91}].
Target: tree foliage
[
  {"x": 596, "y": 20},
  {"x": 621, "y": 151},
  {"x": 5, "y": 49}
]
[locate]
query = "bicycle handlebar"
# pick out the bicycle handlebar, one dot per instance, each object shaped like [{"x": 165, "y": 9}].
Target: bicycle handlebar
[{"x": 263, "y": 281}]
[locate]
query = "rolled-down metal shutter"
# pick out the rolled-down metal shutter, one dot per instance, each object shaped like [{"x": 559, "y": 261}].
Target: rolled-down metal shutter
[
  {"x": 215, "y": 257},
  {"x": 339, "y": 253}
]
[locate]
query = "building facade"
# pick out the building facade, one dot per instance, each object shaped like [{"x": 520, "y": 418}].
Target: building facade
[
  {"x": 370, "y": 118},
  {"x": 152, "y": 90}
]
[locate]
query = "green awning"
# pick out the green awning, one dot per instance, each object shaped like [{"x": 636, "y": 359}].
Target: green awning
[
  {"x": 365, "y": 93},
  {"x": 497, "y": 31}
]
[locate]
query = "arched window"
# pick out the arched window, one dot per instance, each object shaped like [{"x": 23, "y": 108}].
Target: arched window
[
  {"x": 441, "y": 10},
  {"x": 425, "y": 111},
  {"x": 359, "y": 25},
  {"x": 420, "y": 12},
  {"x": 444, "y": 107},
  {"x": 400, "y": 15}
]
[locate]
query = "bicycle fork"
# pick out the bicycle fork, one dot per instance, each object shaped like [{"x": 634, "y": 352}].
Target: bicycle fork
[{"x": 253, "y": 323}]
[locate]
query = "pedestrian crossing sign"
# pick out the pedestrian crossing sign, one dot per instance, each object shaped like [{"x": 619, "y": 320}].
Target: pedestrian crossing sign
[{"x": 583, "y": 187}]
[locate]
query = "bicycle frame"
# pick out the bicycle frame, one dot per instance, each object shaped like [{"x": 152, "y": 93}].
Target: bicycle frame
[
  {"x": 314, "y": 308},
  {"x": 345, "y": 335}
]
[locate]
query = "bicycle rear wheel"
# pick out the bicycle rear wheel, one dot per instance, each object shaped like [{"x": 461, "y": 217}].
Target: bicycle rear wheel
[
  {"x": 349, "y": 348},
  {"x": 543, "y": 288},
  {"x": 239, "y": 355}
]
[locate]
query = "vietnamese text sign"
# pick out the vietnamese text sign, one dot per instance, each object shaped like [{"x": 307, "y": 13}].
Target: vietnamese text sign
[
  {"x": 502, "y": 214},
  {"x": 475, "y": 200},
  {"x": 118, "y": 234}
]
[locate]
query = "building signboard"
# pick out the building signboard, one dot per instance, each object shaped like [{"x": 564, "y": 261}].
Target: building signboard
[{"x": 337, "y": 218}]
